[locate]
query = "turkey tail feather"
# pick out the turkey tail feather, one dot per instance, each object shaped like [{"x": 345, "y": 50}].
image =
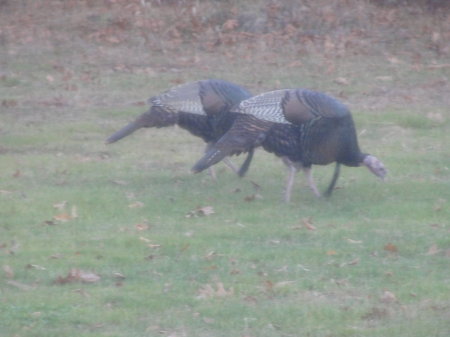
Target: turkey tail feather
[
  {"x": 211, "y": 157},
  {"x": 125, "y": 131}
]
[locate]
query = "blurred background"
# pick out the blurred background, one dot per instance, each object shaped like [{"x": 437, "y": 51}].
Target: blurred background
[{"x": 89, "y": 52}]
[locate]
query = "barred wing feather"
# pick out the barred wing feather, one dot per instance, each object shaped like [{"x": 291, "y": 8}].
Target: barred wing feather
[{"x": 182, "y": 98}]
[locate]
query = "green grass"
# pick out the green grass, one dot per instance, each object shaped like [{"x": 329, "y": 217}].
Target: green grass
[{"x": 373, "y": 260}]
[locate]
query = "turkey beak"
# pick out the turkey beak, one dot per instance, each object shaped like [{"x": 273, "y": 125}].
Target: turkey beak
[{"x": 125, "y": 131}]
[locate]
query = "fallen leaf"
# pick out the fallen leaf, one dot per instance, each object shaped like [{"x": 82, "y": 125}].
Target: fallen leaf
[
  {"x": 393, "y": 59},
  {"x": 35, "y": 266},
  {"x": 342, "y": 81},
  {"x": 307, "y": 223},
  {"x": 119, "y": 276},
  {"x": 120, "y": 182},
  {"x": 63, "y": 217},
  {"x": 200, "y": 211},
  {"x": 433, "y": 250},
  {"x": 282, "y": 284},
  {"x": 142, "y": 227},
  {"x": 136, "y": 204},
  {"x": 9, "y": 103},
  {"x": 253, "y": 197},
  {"x": 353, "y": 241},
  {"x": 384, "y": 78},
  {"x": 388, "y": 297},
  {"x": 353, "y": 262},
  {"x": 74, "y": 212},
  {"x": 8, "y": 271},
  {"x": 208, "y": 291},
  {"x": 60, "y": 205},
  {"x": 19, "y": 285},
  {"x": 210, "y": 255},
  {"x": 230, "y": 25},
  {"x": 331, "y": 252},
  {"x": 391, "y": 248},
  {"x": 439, "y": 204},
  {"x": 78, "y": 275}
]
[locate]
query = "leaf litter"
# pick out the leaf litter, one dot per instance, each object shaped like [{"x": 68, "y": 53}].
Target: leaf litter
[
  {"x": 200, "y": 211},
  {"x": 77, "y": 275},
  {"x": 218, "y": 291}
]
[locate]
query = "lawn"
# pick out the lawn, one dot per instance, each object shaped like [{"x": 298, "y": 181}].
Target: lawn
[{"x": 123, "y": 240}]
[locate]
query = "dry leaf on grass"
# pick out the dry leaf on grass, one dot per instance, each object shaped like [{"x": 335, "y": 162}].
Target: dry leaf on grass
[
  {"x": 65, "y": 215},
  {"x": 9, "y": 272},
  {"x": 353, "y": 262},
  {"x": 388, "y": 297},
  {"x": 200, "y": 211},
  {"x": 142, "y": 227},
  {"x": 136, "y": 204},
  {"x": 208, "y": 291},
  {"x": 433, "y": 250},
  {"x": 391, "y": 248},
  {"x": 353, "y": 241},
  {"x": 307, "y": 223},
  {"x": 77, "y": 275},
  {"x": 20, "y": 285}
]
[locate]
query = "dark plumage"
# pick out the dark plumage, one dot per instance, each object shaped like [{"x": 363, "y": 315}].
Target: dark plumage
[
  {"x": 303, "y": 127},
  {"x": 202, "y": 108}
]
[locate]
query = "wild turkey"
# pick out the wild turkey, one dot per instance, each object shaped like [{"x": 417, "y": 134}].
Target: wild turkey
[
  {"x": 303, "y": 127},
  {"x": 202, "y": 108}
]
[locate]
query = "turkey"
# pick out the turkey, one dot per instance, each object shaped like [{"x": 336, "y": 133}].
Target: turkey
[
  {"x": 303, "y": 127},
  {"x": 201, "y": 107}
]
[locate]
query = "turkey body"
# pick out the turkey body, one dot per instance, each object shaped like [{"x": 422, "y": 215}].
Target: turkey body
[
  {"x": 301, "y": 126},
  {"x": 201, "y": 107}
]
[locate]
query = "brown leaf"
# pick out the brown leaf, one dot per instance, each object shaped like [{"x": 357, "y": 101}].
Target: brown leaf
[
  {"x": 200, "y": 211},
  {"x": 63, "y": 217},
  {"x": 391, "y": 248},
  {"x": 388, "y": 297},
  {"x": 253, "y": 197},
  {"x": 342, "y": 81},
  {"x": 74, "y": 212},
  {"x": 9, "y": 103},
  {"x": 307, "y": 223},
  {"x": 208, "y": 291},
  {"x": 230, "y": 25},
  {"x": 20, "y": 285},
  {"x": 8, "y": 271},
  {"x": 331, "y": 252},
  {"x": 353, "y": 262},
  {"x": 282, "y": 284},
  {"x": 433, "y": 250},
  {"x": 35, "y": 266},
  {"x": 60, "y": 205},
  {"x": 354, "y": 241},
  {"x": 141, "y": 227},
  {"x": 78, "y": 275},
  {"x": 136, "y": 204}
]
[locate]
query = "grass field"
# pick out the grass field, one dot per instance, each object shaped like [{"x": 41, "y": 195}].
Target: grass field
[{"x": 122, "y": 240}]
